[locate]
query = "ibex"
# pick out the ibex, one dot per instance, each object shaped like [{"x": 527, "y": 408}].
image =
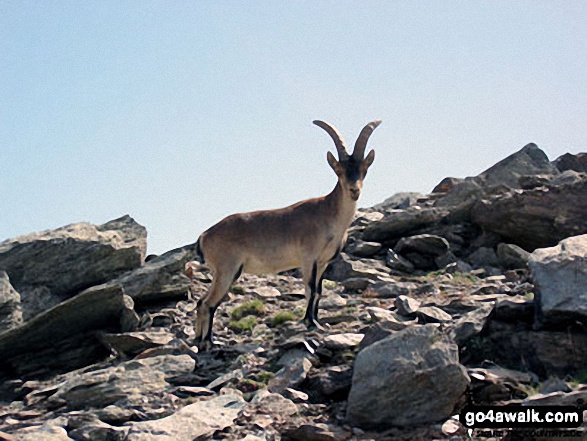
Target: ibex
[{"x": 309, "y": 234}]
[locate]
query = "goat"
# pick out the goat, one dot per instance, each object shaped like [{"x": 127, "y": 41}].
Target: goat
[{"x": 308, "y": 234}]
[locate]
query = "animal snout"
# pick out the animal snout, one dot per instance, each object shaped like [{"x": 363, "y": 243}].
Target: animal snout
[{"x": 355, "y": 193}]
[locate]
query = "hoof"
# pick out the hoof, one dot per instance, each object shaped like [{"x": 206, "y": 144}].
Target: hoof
[
  {"x": 205, "y": 346},
  {"x": 314, "y": 324}
]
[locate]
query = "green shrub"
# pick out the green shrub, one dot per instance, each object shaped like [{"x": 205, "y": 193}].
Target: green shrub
[
  {"x": 282, "y": 317},
  {"x": 254, "y": 307},
  {"x": 244, "y": 324}
]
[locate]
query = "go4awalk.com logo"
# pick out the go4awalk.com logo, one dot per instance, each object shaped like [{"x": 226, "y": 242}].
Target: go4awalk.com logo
[{"x": 488, "y": 417}]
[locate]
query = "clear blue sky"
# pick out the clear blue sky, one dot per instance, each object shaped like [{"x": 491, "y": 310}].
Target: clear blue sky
[{"x": 180, "y": 113}]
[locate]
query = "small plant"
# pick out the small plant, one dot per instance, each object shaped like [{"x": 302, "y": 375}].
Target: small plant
[
  {"x": 254, "y": 307},
  {"x": 467, "y": 279},
  {"x": 244, "y": 324},
  {"x": 328, "y": 284},
  {"x": 282, "y": 317},
  {"x": 237, "y": 289},
  {"x": 264, "y": 377}
]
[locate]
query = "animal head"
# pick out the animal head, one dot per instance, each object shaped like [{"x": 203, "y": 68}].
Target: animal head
[{"x": 350, "y": 169}]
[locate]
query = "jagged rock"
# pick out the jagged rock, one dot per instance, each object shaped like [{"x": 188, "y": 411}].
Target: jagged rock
[
  {"x": 290, "y": 376},
  {"x": 546, "y": 353},
  {"x": 10, "y": 310},
  {"x": 411, "y": 377},
  {"x": 46, "y": 432},
  {"x": 384, "y": 328},
  {"x": 360, "y": 248},
  {"x": 70, "y": 259},
  {"x": 62, "y": 337},
  {"x": 483, "y": 257},
  {"x": 470, "y": 324},
  {"x": 406, "y": 305},
  {"x": 530, "y": 160},
  {"x": 399, "y": 201},
  {"x": 446, "y": 185},
  {"x": 197, "y": 420},
  {"x": 389, "y": 290},
  {"x": 102, "y": 387},
  {"x": 87, "y": 427},
  {"x": 345, "y": 268},
  {"x": 356, "y": 284},
  {"x": 569, "y": 161},
  {"x": 399, "y": 223},
  {"x": 461, "y": 194},
  {"x": 380, "y": 314},
  {"x": 535, "y": 218},
  {"x": 338, "y": 342},
  {"x": 554, "y": 384},
  {"x": 560, "y": 277},
  {"x": 398, "y": 263},
  {"x": 514, "y": 310},
  {"x": 157, "y": 280},
  {"x": 314, "y": 432},
  {"x": 266, "y": 292},
  {"x": 332, "y": 301},
  {"x": 432, "y": 314},
  {"x": 333, "y": 382},
  {"x": 427, "y": 244},
  {"x": 511, "y": 256},
  {"x": 133, "y": 343}
]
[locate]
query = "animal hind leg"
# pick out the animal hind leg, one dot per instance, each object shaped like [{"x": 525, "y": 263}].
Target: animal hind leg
[
  {"x": 207, "y": 306},
  {"x": 313, "y": 291}
]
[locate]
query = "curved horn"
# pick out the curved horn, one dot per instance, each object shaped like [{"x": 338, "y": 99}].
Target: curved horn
[
  {"x": 359, "y": 151},
  {"x": 336, "y": 137}
]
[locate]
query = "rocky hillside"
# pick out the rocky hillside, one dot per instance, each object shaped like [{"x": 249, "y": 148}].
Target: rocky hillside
[{"x": 474, "y": 294}]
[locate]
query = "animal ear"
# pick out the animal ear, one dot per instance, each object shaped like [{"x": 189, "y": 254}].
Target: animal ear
[
  {"x": 334, "y": 163},
  {"x": 368, "y": 160}
]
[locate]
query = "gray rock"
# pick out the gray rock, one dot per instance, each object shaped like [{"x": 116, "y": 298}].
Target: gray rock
[
  {"x": 554, "y": 384},
  {"x": 290, "y": 376},
  {"x": 569, "y": 161},
  {"x": 10, "y": 310},
  {"x": 339, "y": 342},
  {"x": 511, "y": 256},
  {"x": 483, "y": 258},
  {"x": 133, "y": 343},
  {"x": 399, "y": 201},
  {"x": 380, "y": 314},
  {"x": 333, "y": 382},
  {"x": 560, "y": 277},
  {"x": 197, "y": 420},
  {"x": 356, "y": 284},
  {"x": 530, "y": 160},
  {"x": 411, "y": 377},
  {"x": 360, "y": 248},
  {"x": 470, "y": 324},
  {"x": 446, "y": 185},
  {"x": 102, "y": 387},
  {"x": 535, "y": 218},
  {"x": 384, "y": 328},
  {"x": 432, "y": 314},
  {"x": 398, "y": 263},
  {"x": 428, "y": 244},
  {"x": 46, "y": 432},
  {"x": 159, "y": 279},
  {"x": 332, "y": 301},
  {"x": 69, "y": 327},
  {"x": 345, "y": 268},
  {"x": 406, "y": 305},
  {"x": 69, "y": 259},
  {"x": 401, "y": 222}
]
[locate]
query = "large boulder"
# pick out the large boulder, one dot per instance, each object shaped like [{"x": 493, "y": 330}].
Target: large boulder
[
  {"x": 61, "y": 263},
  {"x": 64, "y": 337},
  {"x": 10, "y": 312},
  {"x": 161, "y": 278},
  {"x": 530, "y": 160},
  {"x": 535, "y": 218},
  {"x": 399, "y": 223},
  {"x": 411, "y": 377},
  {"x": 560, "y": 278},
  {"x": 195, "y": 421}
]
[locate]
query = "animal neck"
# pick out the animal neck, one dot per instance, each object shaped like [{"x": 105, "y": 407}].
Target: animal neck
[{"x": 342, "y": 204}]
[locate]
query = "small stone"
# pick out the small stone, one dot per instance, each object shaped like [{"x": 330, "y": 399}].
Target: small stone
[
  {"x": 406, "y": 305},
  {"x": 332, "y": 301},
  {"x": 380, "y": 314},
  {"x": 295, "y": 395},
  {"x": 291, "y": 376},
  {"x": 338, "y": 342},
  {"x": 432, "y": 314},
  {"x": 265, "y": 292}
]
